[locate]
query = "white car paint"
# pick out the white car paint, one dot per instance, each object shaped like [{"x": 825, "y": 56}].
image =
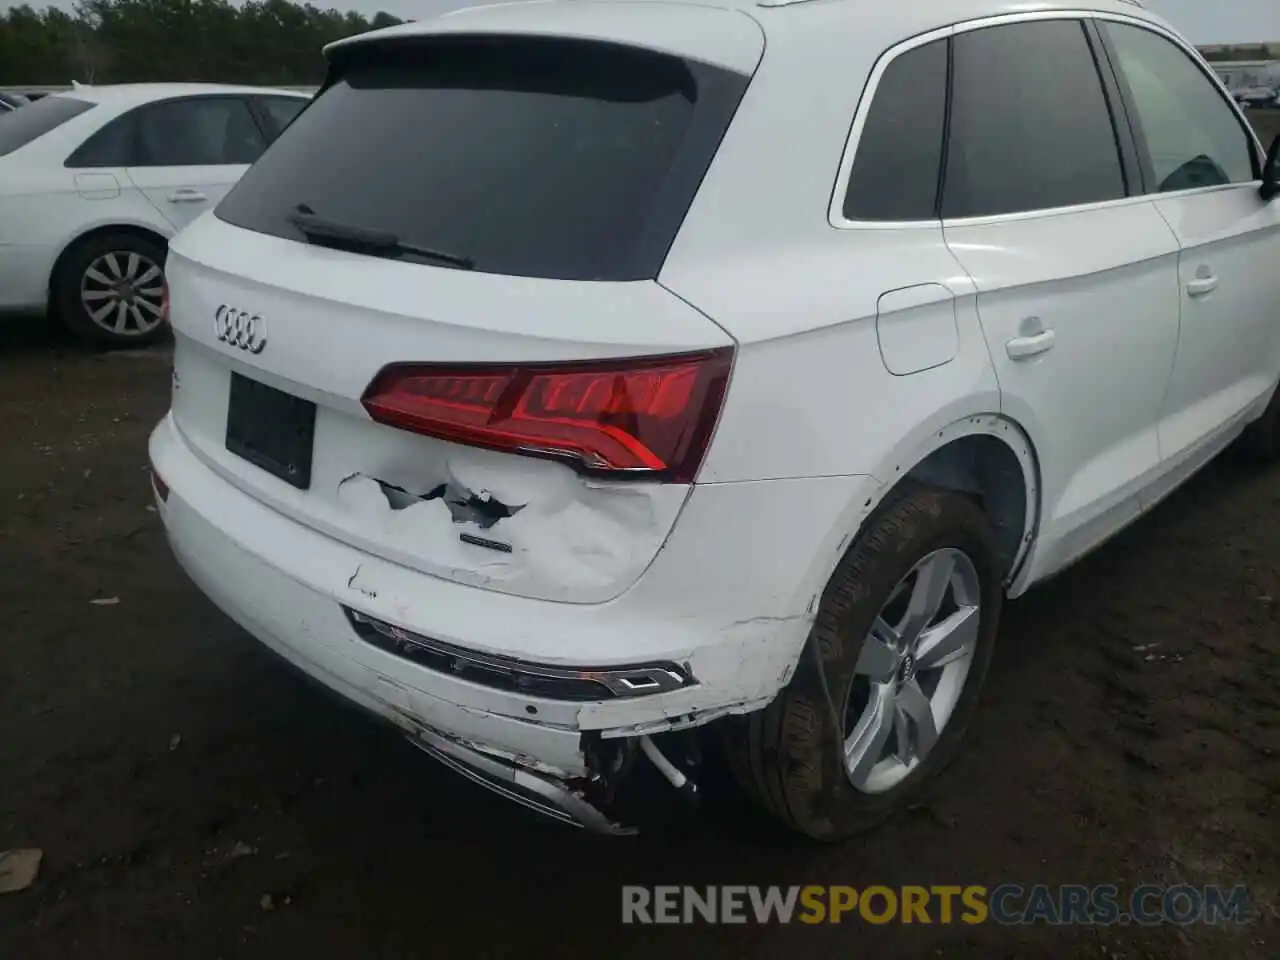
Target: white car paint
[
  {"x": 1080, "y": 340},
  {"x": 1227, "y": 345},
  {"x": 182, "y": 194},
  {"x": 45, "y": 206},
  {"x": 1046, "y": 282},
  {"x": 468, "y": 317}
]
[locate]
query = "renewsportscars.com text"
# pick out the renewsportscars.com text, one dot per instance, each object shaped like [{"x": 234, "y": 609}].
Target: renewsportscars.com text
[{"x": 1007, "y": 904}]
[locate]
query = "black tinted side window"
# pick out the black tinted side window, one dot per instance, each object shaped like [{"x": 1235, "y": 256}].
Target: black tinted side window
[
  {"x": 895, "y": 171},
  {"x": 280, "y": 112},
  {"x": 198, "y": 132},
  {"x": 112, "y": 146},
  {"x": 1030, "y": 125}
]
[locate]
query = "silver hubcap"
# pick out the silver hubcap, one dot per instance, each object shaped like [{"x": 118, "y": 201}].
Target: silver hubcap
[
  {"x": 123, "y": 293},
  {"x": 911, "y": 671}
]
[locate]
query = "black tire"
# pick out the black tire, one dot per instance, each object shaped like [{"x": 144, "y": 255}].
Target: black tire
[
  {"x": 71, "y": 272},
  {"x": 788, "y": 756},
  {"x": 1261, "y": 440}
]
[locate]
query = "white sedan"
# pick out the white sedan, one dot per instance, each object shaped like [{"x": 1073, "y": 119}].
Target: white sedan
[{"x": 94, "y": 182}]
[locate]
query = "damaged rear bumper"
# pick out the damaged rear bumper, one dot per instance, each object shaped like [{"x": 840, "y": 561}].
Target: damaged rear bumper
[
  {"x": 542, "y": 794},
  {"x": 557, "y": 799},
  {"x": 732, "y": 630},
  {"x": 539, "y": 767}
]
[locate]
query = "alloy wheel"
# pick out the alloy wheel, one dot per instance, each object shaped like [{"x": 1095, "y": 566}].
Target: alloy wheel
[
  {"x": 123, "y": 293},
  {"x": 911, "y": 670}
]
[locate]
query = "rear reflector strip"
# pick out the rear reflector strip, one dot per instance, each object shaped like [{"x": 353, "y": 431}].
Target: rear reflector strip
[
  {"x": 646, "y": 417},
  {"x": 518, "y": 676}
]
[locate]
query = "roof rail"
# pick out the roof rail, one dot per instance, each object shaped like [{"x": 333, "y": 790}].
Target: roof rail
[{"x": 1135, "y": 3}]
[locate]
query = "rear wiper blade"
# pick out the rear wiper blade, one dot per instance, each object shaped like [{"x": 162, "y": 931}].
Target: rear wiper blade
[{"x": 375, "y": 241}]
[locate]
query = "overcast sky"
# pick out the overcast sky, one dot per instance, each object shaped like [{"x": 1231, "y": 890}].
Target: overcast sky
[
  {"x": 1203, "y": 21},
  {"x": 1223, "y": 21}
]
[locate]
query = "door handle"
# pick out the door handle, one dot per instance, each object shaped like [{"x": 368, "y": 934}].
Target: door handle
[
  {"x": 1020, "y": 348},
  {"x": 186, "y": 195},
  {"x": 1202, "y": 285}
]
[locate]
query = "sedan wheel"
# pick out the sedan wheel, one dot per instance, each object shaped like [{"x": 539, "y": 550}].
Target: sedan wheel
[
  {"x": 109, "y": 289},
  {"x": 123, "y": 292}
]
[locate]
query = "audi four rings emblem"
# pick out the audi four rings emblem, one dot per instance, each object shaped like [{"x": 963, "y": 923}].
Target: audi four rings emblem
[{"x": 248, "y": 331}]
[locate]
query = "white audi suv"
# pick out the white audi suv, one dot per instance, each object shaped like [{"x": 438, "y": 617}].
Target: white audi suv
[{"x": 574, "y": 380}]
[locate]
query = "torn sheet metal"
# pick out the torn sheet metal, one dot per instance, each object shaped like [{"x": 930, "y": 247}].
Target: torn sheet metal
[{"x": 529, "y": 527}]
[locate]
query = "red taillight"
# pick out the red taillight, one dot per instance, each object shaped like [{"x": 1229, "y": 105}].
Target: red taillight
[{"x": 651, "y": 416}]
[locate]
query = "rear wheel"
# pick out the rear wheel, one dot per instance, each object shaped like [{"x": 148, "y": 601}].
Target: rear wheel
[
  {"x": 109, "y": 289},
  {"x": 884, "y": 690}
]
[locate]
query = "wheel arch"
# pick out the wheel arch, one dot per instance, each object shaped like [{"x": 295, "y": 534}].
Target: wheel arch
[
  {"x": 988, "y": 456},
  {"x": 992, "y": 458}
]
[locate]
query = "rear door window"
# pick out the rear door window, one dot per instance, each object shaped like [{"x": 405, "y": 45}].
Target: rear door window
[
  {"x": 1031, "y": 128},
  {"x": 19, "y": 127},
  {"x": 534, "y": 157},
  {"x": 201, "y": 131},
  {"x": 896, "y": 170}
]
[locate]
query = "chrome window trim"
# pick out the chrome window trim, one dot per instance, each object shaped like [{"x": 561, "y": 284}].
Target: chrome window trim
[
  {"x": 1050, "y": 212},
  {"x": 835, "y": 210}
]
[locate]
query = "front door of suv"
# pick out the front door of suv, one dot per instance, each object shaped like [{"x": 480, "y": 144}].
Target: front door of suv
[
  {"x": 1201, "y": 165},
  {"x": 1076, "y": 275}
]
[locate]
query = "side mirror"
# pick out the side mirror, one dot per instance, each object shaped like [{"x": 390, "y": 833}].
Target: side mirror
[{"x": 1271, "y": 172}]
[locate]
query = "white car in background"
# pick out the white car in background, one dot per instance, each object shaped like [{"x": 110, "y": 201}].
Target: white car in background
[
  {"x": 94, "y": 182},
  {"x": 1257, "y": 97}
]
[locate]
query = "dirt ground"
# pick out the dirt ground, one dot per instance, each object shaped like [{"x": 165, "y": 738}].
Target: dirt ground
[{"x": 194, "y": 799}]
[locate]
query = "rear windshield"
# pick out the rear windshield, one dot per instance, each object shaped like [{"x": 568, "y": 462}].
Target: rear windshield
[
  {"x": 531, "y": 157},
  {"x": 19, "y": 127}
]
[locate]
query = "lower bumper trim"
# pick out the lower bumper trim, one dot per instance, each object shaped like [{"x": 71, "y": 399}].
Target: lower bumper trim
[
  {"x": 505, "y": 673},
  {"x": 544, "y": 795}
]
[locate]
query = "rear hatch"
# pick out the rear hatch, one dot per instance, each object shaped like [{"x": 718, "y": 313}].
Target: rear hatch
[{"x": 426, "y": 321}]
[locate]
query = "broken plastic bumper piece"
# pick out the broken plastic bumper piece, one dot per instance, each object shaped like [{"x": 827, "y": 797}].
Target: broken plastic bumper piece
[
  {"x": 553, "y": 682},
  {"x": 542, "y": 794}
]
